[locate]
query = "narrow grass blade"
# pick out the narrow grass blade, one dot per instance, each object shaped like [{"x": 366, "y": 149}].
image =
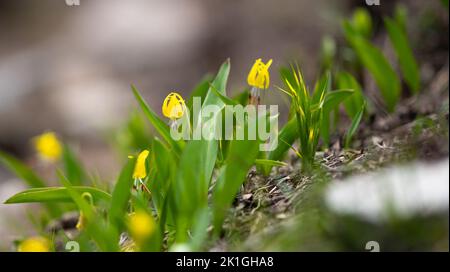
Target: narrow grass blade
[{"x": 266, "y": 162}]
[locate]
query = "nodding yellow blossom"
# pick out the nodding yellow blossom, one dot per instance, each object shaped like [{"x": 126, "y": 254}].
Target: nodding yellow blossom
[
  {"x": 141, "y": 226},
  {"x": 81, "y": 224},
  {"x": 259, "y": 74},
  {"x": 82, "y": 220},
  {"x": 140, "y": 171},
  {"x": 173, "y": 106},
  {"x": 35, "y": 244},
  {"x": 48, "y": 146}
]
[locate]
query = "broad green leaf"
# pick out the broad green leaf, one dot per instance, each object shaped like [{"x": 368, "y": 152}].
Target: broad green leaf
[
  {"x": 287, "y": 136},
  {"x": 198, "y": 160},
  {"x": 408, "y": 64},
  {"x": 331, "y": 102},
  {"x": 354, "y": 126},
  {"x": 165, "y": 169},
  {"x": 121, "y": 194},
  {"x": 199, "y": 91},
  {"x": 242, "y": 97},
  {"x": 374, "y": 61},
  {"x": 200, "y": 232},
  {"x": 334, "y": 98},
  {"x": 220, "y": 83},
  {"x": 21, "y": 170},
  {"x": 74, "y": 170},
  {"x": 157, "y": 123},
  {"x": 353, "y": 104},
  {"x": 56, "y": 194},
  {"x": 241, "y": 156},
  {"x": 225, "y": 99}
]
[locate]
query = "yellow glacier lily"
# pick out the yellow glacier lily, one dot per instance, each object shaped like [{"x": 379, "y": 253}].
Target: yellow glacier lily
[
  {"x": 48, "y": 146},
  {"x": 259, "y": 76},
  {"x": 140, "y": 170},
  {"x": 173, "y": 106},
  {"x": 35, "y": 244}
]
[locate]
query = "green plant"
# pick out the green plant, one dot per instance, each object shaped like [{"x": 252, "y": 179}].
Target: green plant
[
  {"x": 310, "y": 110},
  {"x": 358, "y": 34}
]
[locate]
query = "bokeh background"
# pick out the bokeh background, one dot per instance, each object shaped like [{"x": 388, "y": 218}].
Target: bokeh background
[{"x": 68, "y": 69}]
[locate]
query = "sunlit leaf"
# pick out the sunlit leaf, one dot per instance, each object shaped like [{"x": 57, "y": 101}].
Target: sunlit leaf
[{"x": 56, "y": 194}]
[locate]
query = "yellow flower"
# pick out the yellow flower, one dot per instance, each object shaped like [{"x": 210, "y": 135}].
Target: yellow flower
[
  {"x": 48, "y": 146},
  {"x": 140, "y": 171},
  {"x": 81, "y": 224},
  {"x": 173, "y": 106},
  {"x": 141, "y": 226},
  {"x": 34, "y": 244},
  {"x": 259, "y": 75}
]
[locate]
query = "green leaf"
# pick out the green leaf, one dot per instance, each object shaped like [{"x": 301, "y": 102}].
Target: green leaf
[
  {"x": 241, "y": 156},
  {"x": 373, "y": 59},
  {"x": 225, "y": 99},
  {"x": 73, "y": 168},
  {"x": 121, "y": 194},
  {"x": 267, "y": 162},
  {"x": 408, "y": 64},
  {"x": 220, "y": 83},
  {"x": 21, "y": 170},
  {"x": 334, "y": 98},
  {"x": 105, "y": 235},
  {"x": 56, "y": 194},
  {"x": 157, "y": 123},
  {"x": 354, "y": 125},
  {"x": 355, "y": 102},
  {"x": 242, "y": 97},
  {"x": 199, "y": 91},
  {"x": 164, "y": 173},
  {"x": 26, "y": 174},
  {"x": 287, "y": 136},
  {"x": 198, "y": 160}
]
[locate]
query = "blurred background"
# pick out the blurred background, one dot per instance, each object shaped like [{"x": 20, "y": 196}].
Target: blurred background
[{"x": 68, "y": 69}]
